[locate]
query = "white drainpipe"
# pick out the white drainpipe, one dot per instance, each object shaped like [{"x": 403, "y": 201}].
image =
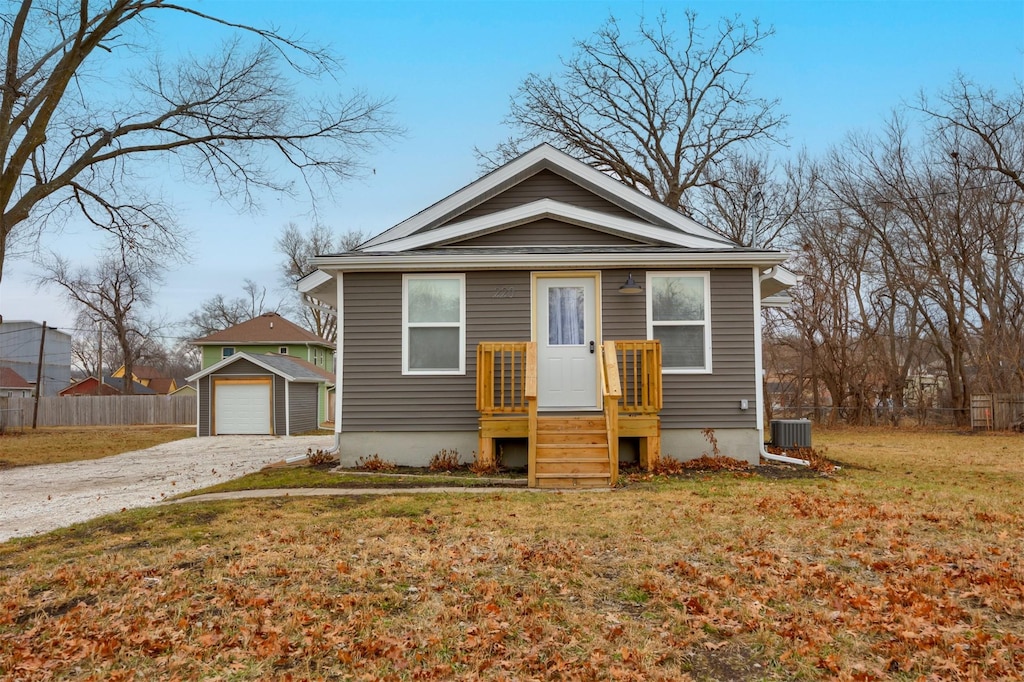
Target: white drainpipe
[{"x": 759, "y": 382}]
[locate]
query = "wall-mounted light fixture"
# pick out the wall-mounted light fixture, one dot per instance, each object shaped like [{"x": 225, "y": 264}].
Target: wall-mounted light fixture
[{"x": 630, "y": 287}]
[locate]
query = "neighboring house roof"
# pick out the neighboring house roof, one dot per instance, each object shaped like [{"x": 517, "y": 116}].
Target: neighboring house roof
[
  {"x": 11, "y": 379},
  {"x": 110, "y": 386},
  {"x": 268, "y": 328},
  {"x": 291, "y": 368},
  {"x": 185, "y": 389},
  {"x": 161, "y": 385},
  {"x": 147, "y": 372}
]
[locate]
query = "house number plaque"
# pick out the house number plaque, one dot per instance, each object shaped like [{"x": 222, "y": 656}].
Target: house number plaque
[{"x": 504, "y": 292}]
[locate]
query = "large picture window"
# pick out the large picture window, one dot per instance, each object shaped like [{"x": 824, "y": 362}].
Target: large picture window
[
  {"x": 434, "y": 324},
  {"x": 679, "y": 315}
]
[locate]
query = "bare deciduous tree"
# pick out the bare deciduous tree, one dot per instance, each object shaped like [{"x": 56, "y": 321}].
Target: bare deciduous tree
[
  {"x": 115, "y": 292},
  {"x": 656, "y": 113},
  {"x": 217, "y": 312},
  {"x": 756, "y": 202},
  {"x": 71, "y": 142},
  {"x": 298, "y": 249}
]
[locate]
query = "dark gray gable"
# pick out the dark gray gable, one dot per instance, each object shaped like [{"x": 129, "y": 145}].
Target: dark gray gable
[
  {"x": 544, "y": 184},
  {"x": 546, "y": 232}
]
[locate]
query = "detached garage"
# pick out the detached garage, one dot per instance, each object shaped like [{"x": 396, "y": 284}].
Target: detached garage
[{"x": 259, "y": 395}]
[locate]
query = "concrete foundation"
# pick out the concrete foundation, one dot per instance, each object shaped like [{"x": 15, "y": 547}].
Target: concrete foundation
[
  {"x": 417, "y": 448},
  {"x": 684, "y": 444},
  {"x": 406, "y": 448}
]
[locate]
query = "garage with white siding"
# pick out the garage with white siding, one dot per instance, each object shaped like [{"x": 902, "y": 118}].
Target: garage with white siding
[{"x": 259, "y": 395}]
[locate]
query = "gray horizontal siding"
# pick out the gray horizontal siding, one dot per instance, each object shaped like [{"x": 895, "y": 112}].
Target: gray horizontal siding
[
  {"x": 304, "y": 399},
  {"x": 698, "y": 401},
  {"x": 713, "y": 400},
  {"x": 544, "y": 185},
  {"x": 377, "y": 397},
  {"x": 203, "y": 393},
  {"x": 548, "y": 232}
]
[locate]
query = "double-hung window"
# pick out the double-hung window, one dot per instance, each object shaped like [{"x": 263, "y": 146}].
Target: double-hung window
[
  {"x": 679, "y": 315},
  {"x": 434, "y": 324}
]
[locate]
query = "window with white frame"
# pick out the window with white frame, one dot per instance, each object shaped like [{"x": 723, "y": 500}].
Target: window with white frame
[
  {"x": 679, "y": 315},
  {"x": 227, "y": 352},
  {"x": 434, "y": 324}
]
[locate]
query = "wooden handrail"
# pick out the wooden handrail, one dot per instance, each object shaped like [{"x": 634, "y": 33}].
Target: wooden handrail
[
  {"x": 506, "y": 376},
  {"x": 640, "y": 368},
  {"x": 611, "y": 389}
]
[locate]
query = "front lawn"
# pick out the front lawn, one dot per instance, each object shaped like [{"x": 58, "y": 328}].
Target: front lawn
[
  {"x": 59, "y": 444},
  {"x": 907, "y": 564}
]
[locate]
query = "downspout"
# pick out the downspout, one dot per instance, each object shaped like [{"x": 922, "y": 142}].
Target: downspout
[{"x": 759, "y": 382}]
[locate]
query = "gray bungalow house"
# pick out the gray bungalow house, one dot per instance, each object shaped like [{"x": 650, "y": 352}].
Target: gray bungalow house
[{"x": 546, "y": 309}]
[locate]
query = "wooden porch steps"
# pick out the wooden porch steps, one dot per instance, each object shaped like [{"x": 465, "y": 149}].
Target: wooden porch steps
[{"x": 572, "y": 452}]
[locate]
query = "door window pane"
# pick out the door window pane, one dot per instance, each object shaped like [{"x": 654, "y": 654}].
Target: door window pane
[{"x": 565, "y": 316}]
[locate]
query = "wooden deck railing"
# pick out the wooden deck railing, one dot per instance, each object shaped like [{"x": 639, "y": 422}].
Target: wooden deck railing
[
  {"x": 611, "y": 390},
  {"x": 640, "y": 372},
  {"x": 506, "y": 376}
]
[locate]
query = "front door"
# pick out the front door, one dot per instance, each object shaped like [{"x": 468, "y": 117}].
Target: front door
[{"x": 566, "y": 313}]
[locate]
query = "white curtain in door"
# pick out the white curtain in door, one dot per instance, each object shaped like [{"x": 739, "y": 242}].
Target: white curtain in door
[{"x": 565, "y": 316}]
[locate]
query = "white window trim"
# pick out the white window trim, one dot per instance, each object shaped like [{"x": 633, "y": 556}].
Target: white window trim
[
  {"x": 406, "y": 278},
  {"x": 706, "y": 276},
  {"x": 282, "y": 350},
  {"x": 224, "y": 352}
]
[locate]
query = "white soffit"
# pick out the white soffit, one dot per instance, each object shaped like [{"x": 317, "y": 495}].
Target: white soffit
[
  {"x": 542, "y": 157},
  {"x": 545, "y": 208},
  {"x": 777, "y": 280}
]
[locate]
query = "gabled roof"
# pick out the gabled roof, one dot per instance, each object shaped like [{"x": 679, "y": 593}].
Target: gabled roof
[
  {"x": 147, "y": 372},
  {"x": 11, "y": 379},
  {"x": 115, "y": 384},
  {"x": 543, "y": 157},
  {"x": 548, "y": 208},
  {"x": 286, "y": 366},
  {"x": 269, "y": 328}
]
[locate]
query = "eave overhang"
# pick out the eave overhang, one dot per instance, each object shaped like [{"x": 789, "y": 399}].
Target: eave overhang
[{"x": 478, "y": 259}]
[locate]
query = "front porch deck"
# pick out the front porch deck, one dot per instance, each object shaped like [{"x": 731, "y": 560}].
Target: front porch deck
[{"x": 571, "y": 450}]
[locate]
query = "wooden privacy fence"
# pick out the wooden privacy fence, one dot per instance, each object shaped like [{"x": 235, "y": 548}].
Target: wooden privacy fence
[
  {"x": 106, "y": 410},
  {"x": 999, "y": 411}
]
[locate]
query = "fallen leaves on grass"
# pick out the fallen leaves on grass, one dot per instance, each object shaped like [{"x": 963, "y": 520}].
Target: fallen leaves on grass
[{"x": 857, "y": 578}]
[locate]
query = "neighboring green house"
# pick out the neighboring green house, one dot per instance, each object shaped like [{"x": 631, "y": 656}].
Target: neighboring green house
[{"x": 273, "y": 334}]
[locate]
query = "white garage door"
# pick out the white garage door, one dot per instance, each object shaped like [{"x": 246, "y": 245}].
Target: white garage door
[{"x": 242, "y": 408}]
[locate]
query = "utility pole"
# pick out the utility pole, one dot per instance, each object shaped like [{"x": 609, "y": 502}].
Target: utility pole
[
  {"x": 99, "y": 327},
  {"x": 39, "y": 376}
]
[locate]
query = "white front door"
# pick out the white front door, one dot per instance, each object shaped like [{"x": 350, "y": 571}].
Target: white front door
[{"x": 566, "y": 309}]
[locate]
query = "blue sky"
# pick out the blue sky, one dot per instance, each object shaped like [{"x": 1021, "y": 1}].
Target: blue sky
[{"x": 836, "y": 67}]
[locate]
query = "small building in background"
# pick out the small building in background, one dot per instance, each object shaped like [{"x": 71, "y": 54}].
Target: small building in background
[
  {"x": 13, "y": 385},
  {"x": 150, "y": 377},
  {"x": 109, "y": 386},
  {"x": 19, "y": 351}
]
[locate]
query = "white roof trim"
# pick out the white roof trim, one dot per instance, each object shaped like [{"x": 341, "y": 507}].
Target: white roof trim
[
  {"x": 546, "y": 208},
  {"x": 541, "y": 157},
  {"x": 256, "y": 361},
  {"x": 312, "y": 281},
  {"x": 777, "y": 280},
  {"x": 473, "y": 260}
]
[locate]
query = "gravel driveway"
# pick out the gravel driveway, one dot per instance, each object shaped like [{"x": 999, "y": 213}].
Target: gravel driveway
[{"x": 37, "y": 499}]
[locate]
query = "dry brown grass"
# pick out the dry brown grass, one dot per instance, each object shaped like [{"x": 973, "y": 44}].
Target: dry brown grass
[
  {"x": 908, "y": 564},
  {"x": 55, "y": 445}
]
